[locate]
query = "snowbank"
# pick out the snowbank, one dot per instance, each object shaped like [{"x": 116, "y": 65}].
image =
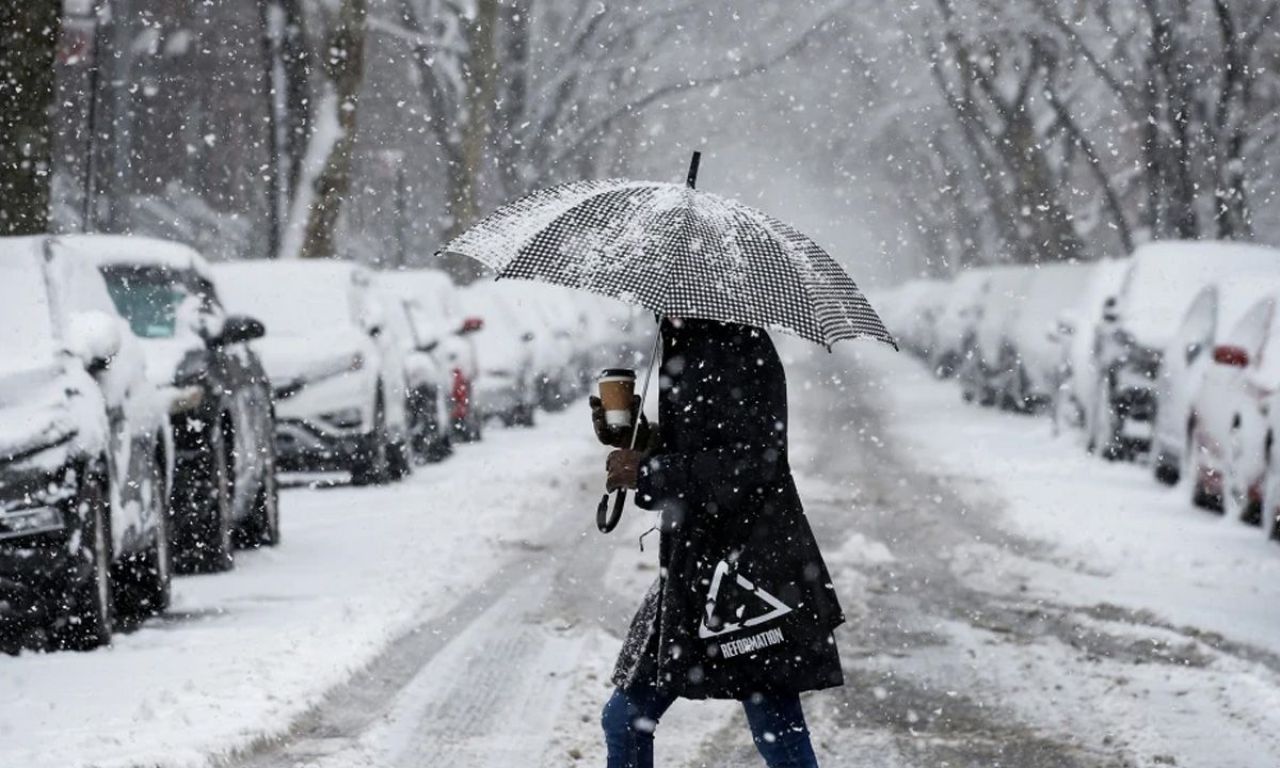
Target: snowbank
[{"x": 242, "y": 655}]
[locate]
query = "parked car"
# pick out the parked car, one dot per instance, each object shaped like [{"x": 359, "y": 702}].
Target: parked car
[
  {"x": 1229, "y": 437},
  {"x": 955, "y": 324},
  {"x": 1161, "y": 282},
  {"x": 1077, "y": 329},
  {"x": 1270, "y": 512},
  {"x": 1029, "y": 375},
  {"x": 989, "y": 360},
  {"x": 1215, "y": 310},
  {"x": 83, "y": 454},
  {"x": 507, "y": 386},
  {"x": 219, "y": 398},
  {"x": 545, "y": 312},
  {"x": 336, "y": 367},
  {"x": 439, "y": 326}
]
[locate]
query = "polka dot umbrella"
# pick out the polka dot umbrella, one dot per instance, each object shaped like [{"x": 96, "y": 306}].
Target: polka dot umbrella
[{"x": 677, "y": 251}]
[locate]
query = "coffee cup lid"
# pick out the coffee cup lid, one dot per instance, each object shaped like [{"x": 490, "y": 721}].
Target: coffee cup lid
[{"x": 618, "y": 372}]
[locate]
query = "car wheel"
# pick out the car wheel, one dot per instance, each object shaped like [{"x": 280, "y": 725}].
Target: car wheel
[
  {"x": 205, "y": 535},
  {"x": 524, "y": 416},
  {"x": 372, "y": 465},
  {"x": 145, "y": 578},
  {"x": 1236, "y": 502},
  {"x": 262, "y": 528},
  {"x": 400, "y": 456},
  {"x": 86, "y": 612},
  {"x": 1105, "y": 439},
  {"x": 1164, "y": 465},
  {"x": 1200, "y": 495}
]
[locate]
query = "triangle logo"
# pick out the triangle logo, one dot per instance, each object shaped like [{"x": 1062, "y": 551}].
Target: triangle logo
[{"x": 737, "y": 597}]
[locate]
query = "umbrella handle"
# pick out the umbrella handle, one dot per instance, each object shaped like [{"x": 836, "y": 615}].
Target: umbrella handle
[{"x": 604, "y": 520}]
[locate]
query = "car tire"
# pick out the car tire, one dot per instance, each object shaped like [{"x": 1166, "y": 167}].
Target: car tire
[
  {"x": 401, "y": 458},
  {"x": 1236, "y": 503},
  {"x": 145, "y": 578},
  {"x": 1104, "y": 439},
  {"x": 372, "y": 466},
  {"x": 205, "y": 535},
  {"x": 85, "y": 614},
  {"x": 525, "y": 415},
  {"x": 262, "y": 527}
]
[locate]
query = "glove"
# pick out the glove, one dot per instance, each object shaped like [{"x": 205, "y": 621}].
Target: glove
[
  {"x": 622, "y": 468},
  {"x": 618, "y": 437}
]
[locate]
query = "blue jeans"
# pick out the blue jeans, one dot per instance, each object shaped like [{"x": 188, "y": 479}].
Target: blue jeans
[{"x": 777, "y": 726}]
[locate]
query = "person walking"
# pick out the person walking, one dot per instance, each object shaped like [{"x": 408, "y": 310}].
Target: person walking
[{"x": 744, "y": 607}]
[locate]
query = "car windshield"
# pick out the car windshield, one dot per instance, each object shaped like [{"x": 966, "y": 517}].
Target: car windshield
[
  {"x": 28, "y": 335},
  {"x": 149, "y": 296}
]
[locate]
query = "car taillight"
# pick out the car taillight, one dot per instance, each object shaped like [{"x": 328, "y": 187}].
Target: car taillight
[{"x": 461, "y": 395}]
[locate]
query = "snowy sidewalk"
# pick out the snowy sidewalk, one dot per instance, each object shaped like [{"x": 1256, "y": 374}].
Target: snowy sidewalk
[
  {"x": 1123, "y": 538},
  {"x": 241, "y": 655}
]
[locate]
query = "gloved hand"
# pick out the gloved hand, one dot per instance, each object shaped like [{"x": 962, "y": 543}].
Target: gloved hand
[
  {"x": 618, "y": 437},
  {"x": 622, "y": 468}
]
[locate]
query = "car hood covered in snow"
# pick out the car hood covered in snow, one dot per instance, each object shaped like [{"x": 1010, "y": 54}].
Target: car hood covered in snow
[
  {"x": 1166, "y": 276},
  {"x": 36, "y": 412},
  {"x": 298, "y": 358}
]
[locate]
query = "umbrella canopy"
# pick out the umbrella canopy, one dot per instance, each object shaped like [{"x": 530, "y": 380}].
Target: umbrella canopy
[{"x": 676, "y": 251}]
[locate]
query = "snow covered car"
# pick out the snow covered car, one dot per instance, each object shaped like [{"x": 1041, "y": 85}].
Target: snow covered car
[
  {"x": 547, "y": 315},
  {"x": 83, "y": 453},
  {"x": 1229, "y": 437},
  {"x": 1215, "y": 310},
  {"x": 336, "y": 367},
  {"x": 1028, "y": 373},
  {"x": 990, "y": 360},
  {"x": 1076, "y": 331},
  {"x": 1157, "y": 289},
  {"x": 428, "y": 381},
  {"x": 955, "y": 323},
  {"x": 507, "y": 386},
  {"x": 440, "y": 330},
  {"x": 911, "y": 312},
  {"x": 224, "y": 483}
]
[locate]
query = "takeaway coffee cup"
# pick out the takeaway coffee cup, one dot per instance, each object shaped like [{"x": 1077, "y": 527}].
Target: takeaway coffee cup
[{"x": 617, "y": 389}]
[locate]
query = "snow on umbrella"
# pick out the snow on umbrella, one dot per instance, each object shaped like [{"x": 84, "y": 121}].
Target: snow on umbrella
[{"x": 677, "y": 251}]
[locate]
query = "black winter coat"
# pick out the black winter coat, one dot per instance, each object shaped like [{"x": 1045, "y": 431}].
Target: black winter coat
[{"x": 743, "y": 603}]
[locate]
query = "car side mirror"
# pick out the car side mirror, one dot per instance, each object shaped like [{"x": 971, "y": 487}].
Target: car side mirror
[
  {"x": 471, "y": 325},
  {"x": 527, "y": 336},
  {"x": 428, "y": 346},
  {"x": 1111, "y": 310},
  {"x": 1193, "y": 350},
  {"x": 1231, "y": 355},
  {"x": 94, "y": 338},
  {"x": 239, "y": 328}
]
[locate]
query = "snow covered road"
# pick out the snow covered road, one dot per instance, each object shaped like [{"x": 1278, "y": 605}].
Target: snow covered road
[{"x": 1012, "y": 602}]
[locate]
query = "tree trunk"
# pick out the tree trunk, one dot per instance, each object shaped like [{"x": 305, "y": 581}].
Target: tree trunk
[
  {"x": 29, "y": 32},
  {"x": 344, "y": 72}
]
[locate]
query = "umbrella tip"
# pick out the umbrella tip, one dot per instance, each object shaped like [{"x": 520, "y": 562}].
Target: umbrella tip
[{"x": 692, "y": 181}]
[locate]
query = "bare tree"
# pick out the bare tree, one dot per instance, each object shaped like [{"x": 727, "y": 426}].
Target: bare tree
[
  {"x": 323, "y": 174},
  {"x": 28, "y": 46}
]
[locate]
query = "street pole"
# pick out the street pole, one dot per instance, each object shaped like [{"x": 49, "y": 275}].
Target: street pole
[
  {"x": 272, "y": 23},
  {"x": 99, "y": 16}
]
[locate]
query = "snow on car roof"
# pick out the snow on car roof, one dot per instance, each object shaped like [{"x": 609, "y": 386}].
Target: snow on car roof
[
  {"x": 297, "y": 297},
  {"x": 28, "y": 335},
  {"x": 128, "y": 249},
  {"x": 1167, "y": 275},
  {"x": 1051, "y": 289}
]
